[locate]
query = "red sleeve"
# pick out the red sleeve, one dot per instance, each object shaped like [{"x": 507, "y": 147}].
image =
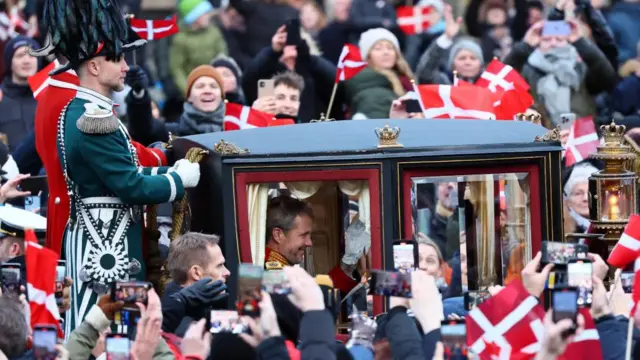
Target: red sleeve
[
  {"x": 150, "y": 157},
  {"x": 341, "y": 280}
]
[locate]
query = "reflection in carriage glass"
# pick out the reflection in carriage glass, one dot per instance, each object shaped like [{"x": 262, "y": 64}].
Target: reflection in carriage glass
[{"x": 476, "y": 226}]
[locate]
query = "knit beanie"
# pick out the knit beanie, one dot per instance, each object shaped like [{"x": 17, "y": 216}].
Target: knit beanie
[
  {"x": 191, "y": 10},
  {"x": 372, "y": 36},
  {"x": 13, "y": 45},
  {"x": 464, "y": 43},
  {"x": 438, "y": 5},
  {"x": 200, "y": 71},
  {"x": 228, "y": 62}
]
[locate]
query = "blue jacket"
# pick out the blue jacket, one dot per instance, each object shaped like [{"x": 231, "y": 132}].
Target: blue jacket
[
  {"x": 624, "y": 19},
  {"x": 626, "y": 96}
]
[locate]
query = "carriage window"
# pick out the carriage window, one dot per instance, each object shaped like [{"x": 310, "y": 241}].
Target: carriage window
[
  {"x": 478, "y": 225},
  {"x": 340, "y": 209}
]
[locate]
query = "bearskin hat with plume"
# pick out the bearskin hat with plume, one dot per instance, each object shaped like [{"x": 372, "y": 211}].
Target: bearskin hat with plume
[{"x": 82, "y": 29}]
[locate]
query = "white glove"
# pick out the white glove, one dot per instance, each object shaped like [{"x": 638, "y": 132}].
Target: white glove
[
  {"x": 189, "y": 173},
  {"x": 179, "y": 163},
  {"x": 357, "y": 243}
]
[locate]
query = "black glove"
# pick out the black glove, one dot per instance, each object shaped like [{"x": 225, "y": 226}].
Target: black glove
[
  {"x": 137, "y": 78},
  {"x": 203, "y": 293}
]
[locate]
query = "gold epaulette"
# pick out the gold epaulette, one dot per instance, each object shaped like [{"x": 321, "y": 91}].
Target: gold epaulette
[
  {"x": 273, "y": 265},
  {"x": 97, "y": 121}
]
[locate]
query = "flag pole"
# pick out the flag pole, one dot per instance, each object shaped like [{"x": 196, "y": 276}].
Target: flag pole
[
  {"x": 455, "y": 78},
  {"x": 333, "y": 95},
  {"x": 415, "y": 90},
  {"x": 627, "y": 355}
]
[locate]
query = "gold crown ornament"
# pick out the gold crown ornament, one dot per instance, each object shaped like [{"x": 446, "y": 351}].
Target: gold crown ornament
[
  {"x": 612, "y": 133},
  {"x": 388, "y": 137}
]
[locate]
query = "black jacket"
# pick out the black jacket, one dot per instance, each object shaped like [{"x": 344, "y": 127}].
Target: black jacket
[
  {"x": 142, "y": 126},
  {"x": 317, "y": 336},
  {"x": 318, "y": 73},
  {"x": 18, "y": 109}
]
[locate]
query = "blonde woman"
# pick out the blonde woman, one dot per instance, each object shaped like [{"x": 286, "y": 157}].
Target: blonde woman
[{"x": 386, "y": 78}]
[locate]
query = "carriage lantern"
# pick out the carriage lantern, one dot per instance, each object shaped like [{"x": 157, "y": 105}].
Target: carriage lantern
[{"x": 612, "y": 191}]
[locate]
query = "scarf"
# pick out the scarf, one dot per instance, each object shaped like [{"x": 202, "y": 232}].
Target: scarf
[
  {"x": 580, "y": 220},
  {"x": 193, "y": 121},
  {"x": 561, "y": 76}
]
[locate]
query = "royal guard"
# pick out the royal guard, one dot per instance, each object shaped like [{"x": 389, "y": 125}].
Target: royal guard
[{"x": 106, "y": 184}]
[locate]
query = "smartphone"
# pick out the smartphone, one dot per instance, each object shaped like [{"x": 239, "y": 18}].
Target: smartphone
[
  {"x": 32, "y": 203},
  {"x": 276, "y": 282},
  {"x": 453, "y": 335},
  {"x": 266, "y": 87},
  {"x": 45, "y": 339},
  {"x": 249, "y": 287},
  {"x": 11, "y": 278},
  {"x": 390, "y": 283},
  {"x": 558, "y": 253},
  {"x": 131, "y": 292},
  {"x": 117, "y": 347},
  {"x": 580, "y": 273},
  {"x": 556, "y": 28},
  {"x": 405, "y": 255},
  {"x": 413, "y": 106},
  {"x": 474, "y": 298},
  {"x": 564, "y": 303},
  {"x": 626, "y": 278},
  {"x": 61, "y": 270},
  {"x": 226, "y": 321},
  {"x": 293, "y": 32}
]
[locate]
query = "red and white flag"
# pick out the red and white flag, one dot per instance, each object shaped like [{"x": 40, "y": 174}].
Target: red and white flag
[
  {"x": 501, "y": 77},
  {"x": 350, "y": 63},
  {"x": 154, "y": 29},
  {"x": 41, "y": 80},
  {"x": 456, "y": 102},
  {"x": 510, "y": 326},
  {"x": 41, "y": 266},
  {"x": 582, "y": 141},
  {"x": 627, "y": 249},
  {"x": 239, "y": 117},
  {"x": 413, "y": 20},
  {"x": 512, "y": 102}
]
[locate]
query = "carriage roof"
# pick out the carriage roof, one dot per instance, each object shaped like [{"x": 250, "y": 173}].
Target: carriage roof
[{"x": 358, "y": 138}]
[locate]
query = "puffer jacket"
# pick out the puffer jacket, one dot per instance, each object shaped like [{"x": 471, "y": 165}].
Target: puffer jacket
[{"x": 370, "y": 93}]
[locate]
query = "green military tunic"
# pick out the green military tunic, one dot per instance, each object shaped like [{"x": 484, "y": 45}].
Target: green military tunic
[{"x": 103, "y": 238}]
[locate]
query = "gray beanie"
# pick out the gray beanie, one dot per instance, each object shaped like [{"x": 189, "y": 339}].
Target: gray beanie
[
  {"x": 372, "y": 36},
  {"x": 464, "y": 43}
]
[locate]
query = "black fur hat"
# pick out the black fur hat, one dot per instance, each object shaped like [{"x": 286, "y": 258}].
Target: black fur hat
[{"x": 82, "y": 29}]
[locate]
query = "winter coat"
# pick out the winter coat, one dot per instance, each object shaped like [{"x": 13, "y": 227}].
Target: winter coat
[{"x": 370, "y": 93}]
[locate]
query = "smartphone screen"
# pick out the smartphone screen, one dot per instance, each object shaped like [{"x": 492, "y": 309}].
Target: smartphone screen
[
  {"x": 390, "y": 283},
  {"x": 558, "y": 253},
  {"x": 626, "y": 278},
  {"x": 131, "y": 293},
  {"x": 556, "y": 28},
  {"x": 11, "y": 278},
  {"x": 117, "y": 347},
  {"x": 276, "y": 282},
  {"x": 61, "y": 270},
  {"x": 564, "y": 304},
  {"x": 404, "y": 256},
  {"x": 580, "y": 273},
  {"x": 249, "y": 287},
  {"x": 266, "y": 88},
  {"x": 226, "y": 321},
  {"x": 454, "y": 339},
  {"x": 44, "y": 343}
]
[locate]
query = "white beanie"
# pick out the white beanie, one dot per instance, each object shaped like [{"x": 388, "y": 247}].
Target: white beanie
[
  {"x": 438, "y": 5},
  {"x": 580, "y": 173},
  {"x": 372, "y": 36}
]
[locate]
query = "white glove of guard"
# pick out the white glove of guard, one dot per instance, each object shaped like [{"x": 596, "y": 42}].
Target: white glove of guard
[
  {"x": 189, "y": 172},
  {"x": 357, "y": 243}
]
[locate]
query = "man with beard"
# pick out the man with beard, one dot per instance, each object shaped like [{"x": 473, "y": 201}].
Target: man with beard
[{"x": 105, "y": 182}]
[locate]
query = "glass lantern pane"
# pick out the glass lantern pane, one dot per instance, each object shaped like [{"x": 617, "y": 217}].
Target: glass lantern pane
[{"x": 616, "y": 202}]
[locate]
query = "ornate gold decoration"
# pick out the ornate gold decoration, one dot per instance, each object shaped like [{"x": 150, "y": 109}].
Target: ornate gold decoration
[
  {"x": 388, "y": 137},
  {"x": 532, "y": 117},
  {"x": 550, "y": 136},
  {"x": 615, "y": 154},
  {"x": 322, "y": 119},
  {"x": 227, "y": 148}
]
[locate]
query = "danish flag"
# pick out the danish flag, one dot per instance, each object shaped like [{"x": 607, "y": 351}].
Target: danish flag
[
  {"x": 509, "y": 326},
  {"x": 627, "y": 249},
  {"x": 239, "y": 117},
  {"x": 350, "y": 63},
  {"x": 41, "y": 80},
  {"x": 501, "y": 77},
  {"x": 413, "y": 19},
  {"x": 154, "y": 29},
  {"x": 456, "y": 102},
  {"x": 582, "y": 141},
  {"x": 41, "y": 266}
]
